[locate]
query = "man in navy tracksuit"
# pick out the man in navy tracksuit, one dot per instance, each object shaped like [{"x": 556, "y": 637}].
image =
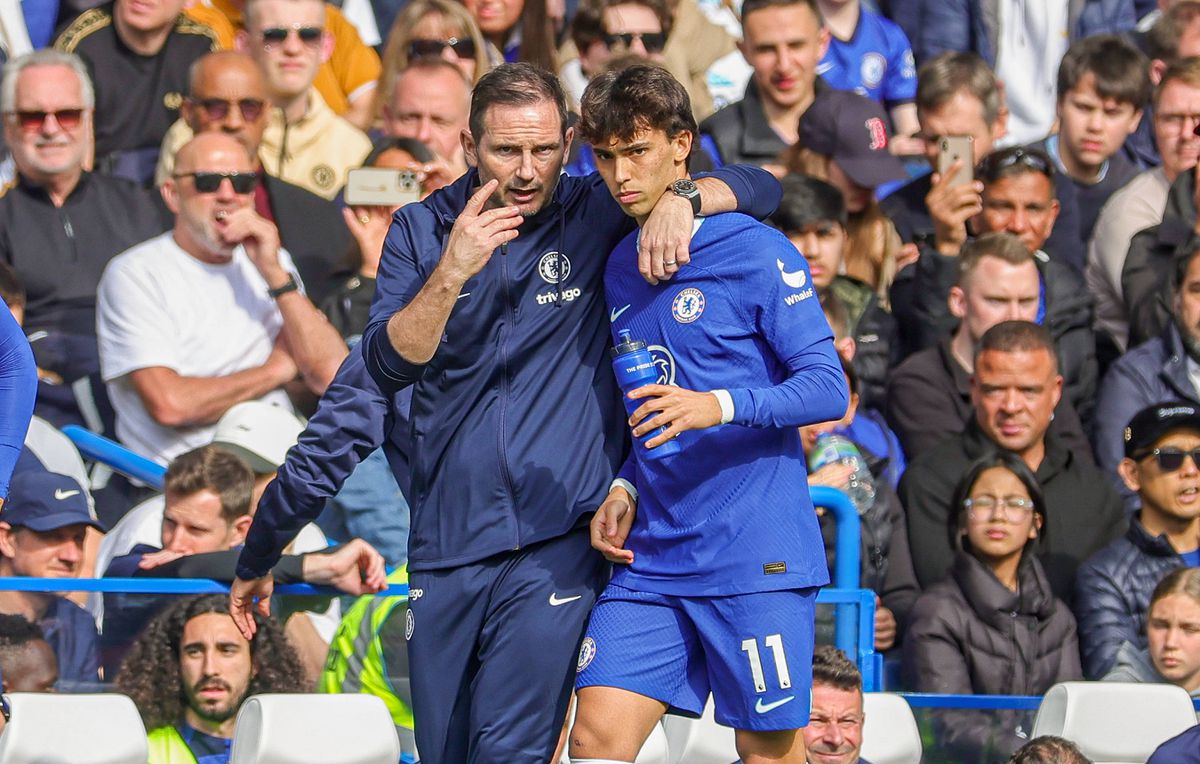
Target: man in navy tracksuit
[{"x": 490, "y": 303}]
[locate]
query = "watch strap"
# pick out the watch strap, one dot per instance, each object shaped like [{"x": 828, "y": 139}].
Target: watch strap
[{"x": 290, "y": 286}]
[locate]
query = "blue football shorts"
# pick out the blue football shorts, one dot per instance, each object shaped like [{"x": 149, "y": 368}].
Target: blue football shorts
[{"x": 752, "y": 652}]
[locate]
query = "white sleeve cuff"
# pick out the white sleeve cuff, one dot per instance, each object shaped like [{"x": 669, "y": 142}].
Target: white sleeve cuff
[
  {"x": 623, "y": 483},
  {"x": 726, "y": 401}
]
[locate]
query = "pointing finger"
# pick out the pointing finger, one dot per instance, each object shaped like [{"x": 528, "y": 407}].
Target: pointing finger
[{"x": 475, "y": 204}]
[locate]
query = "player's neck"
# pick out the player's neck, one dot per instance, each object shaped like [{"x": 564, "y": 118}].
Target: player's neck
[
  {"x": 143, "y": 43},
  {"x": 840, "y": 18},
  {"x": 215, "y": 729}
]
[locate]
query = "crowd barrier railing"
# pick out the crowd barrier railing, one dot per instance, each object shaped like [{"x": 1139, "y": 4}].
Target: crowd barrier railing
[{"x": 101, "y": 449}]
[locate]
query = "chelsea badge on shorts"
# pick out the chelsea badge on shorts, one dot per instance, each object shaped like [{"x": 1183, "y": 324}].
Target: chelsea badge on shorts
[
  {"x": 688, "y": 305},
  {"x": 587, "y": 651}
]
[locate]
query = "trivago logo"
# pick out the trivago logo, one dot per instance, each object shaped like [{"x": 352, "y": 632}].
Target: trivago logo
[{"x": 568, "y": 295}]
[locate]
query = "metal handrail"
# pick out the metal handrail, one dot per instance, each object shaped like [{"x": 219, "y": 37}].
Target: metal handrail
[{"x": 101, "y": 449}]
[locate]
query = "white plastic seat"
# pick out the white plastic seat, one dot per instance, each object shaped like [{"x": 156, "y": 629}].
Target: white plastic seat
[
  {"x": 1115, "y": 721},
  {"x": 73, "y": 729},
  {"x": 299, "y": 729},
  {"x": 890, "y": 734},
  {"x": 699, "y": 741}
]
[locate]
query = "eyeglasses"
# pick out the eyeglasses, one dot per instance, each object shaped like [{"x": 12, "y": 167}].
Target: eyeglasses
[
  {"x": 1178, "y": 121},
  {"x": 209, "y": 182},
  {"x": 277, "y": 35},
  {"x": 33, "y": 121},
  {"x": 420, "y": 48},
  {"x": 1012, "y": 508},
  {"x": 218, "y": 108},
  {"x": 1171, "y": 459},
  {"x": 653, "y": 42},
  {"x": 992, "y": 166}
]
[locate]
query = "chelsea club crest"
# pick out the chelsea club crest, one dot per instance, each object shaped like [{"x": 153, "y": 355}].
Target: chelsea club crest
[{"x": 688, "y": 305}]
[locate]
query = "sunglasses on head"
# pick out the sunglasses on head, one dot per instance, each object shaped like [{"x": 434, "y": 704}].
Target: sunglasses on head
[
  {"x": 420, "y": 48},
  {"x": 32, "y": 121},
  {"x": 218, "y": 108},
  {"x": 653, "y": 42},
  {"x": 209, "y": 182},
  {"x": 277, "y": 35},
  {"x": 993, "y": 165},
  {"x": 1171, "y": 459}
]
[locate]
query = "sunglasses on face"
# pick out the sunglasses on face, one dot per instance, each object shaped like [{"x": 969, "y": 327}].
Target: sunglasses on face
[
  {"x": 653, "y": 42},
  {"x": 210, "y": 182},
  {"x": 464, "y": 48},
  {"x": 277, "y": 35},
  {"x": 218, "y": 108},
  {"x": 32, "y": 121},
  {"x": 1171, "y": 459}
]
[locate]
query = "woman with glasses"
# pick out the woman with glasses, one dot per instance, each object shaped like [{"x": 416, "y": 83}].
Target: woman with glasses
[
  {"x": 437, "y": 28},
  {"x": 992, "y": 626},
  {"x": 1173, "y": 636}
]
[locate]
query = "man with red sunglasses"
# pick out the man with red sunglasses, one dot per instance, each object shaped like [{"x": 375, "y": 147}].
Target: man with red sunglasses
[
  {"x": 1162, "y": 465},
  {"x": 208, "y": 315},
  {"x": 59, "y": 224}
]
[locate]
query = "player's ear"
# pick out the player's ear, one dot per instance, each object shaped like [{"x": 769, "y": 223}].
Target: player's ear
[{"x": 681, "y": 146}]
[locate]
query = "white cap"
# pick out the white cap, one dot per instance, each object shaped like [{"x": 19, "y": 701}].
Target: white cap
[{"x": 258, "y": 433}]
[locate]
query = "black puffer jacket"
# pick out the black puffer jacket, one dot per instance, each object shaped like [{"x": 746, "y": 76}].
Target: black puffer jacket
[
  {"x": 874, "y": 332},
  {"x": 1112, "y": 594},
  {"x": 968, "y": 634},
  {"x": 1146, "y": 275}
]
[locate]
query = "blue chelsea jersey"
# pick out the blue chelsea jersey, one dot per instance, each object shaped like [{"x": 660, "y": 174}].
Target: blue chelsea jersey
[
  {"x": 731, "y": 512},
  {"x": 877, "y": 61}
]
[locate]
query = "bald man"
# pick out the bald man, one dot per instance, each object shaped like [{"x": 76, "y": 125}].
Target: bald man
[
  {"x": 228, "y": 94},
  {"x": 209, "y": 314}
]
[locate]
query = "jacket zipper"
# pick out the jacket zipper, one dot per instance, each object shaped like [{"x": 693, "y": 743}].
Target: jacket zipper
[{"x": 500, "y": 435}]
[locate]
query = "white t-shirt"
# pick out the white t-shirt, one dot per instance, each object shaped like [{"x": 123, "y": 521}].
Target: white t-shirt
[
  {"x": 159, "y": 306},
  {"x": 1033, "y": 37}
]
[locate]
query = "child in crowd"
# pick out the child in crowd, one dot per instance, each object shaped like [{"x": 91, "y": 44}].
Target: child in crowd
[
  {"x": 1173, "y": 634},
  {"x": 992, "y": 626}
]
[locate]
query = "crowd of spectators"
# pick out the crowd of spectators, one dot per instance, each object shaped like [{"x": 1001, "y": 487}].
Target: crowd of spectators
[{"x": 1019, "y": 327}]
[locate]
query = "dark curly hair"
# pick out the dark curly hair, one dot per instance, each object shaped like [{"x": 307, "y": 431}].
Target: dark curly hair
[{"x": 150, "y": 672}]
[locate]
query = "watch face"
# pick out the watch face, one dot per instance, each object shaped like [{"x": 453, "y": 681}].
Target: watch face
[{"x": 683, "y": 187}]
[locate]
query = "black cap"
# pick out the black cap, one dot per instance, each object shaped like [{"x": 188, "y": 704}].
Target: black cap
[
  {"x": 1153, "y": 422},
  {"x": 852, "y": 130},
  {"x": 45, "y": 501}
]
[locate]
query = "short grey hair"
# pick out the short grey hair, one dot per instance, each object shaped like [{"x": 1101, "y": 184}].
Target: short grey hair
[{"x": 44, "y": 57}]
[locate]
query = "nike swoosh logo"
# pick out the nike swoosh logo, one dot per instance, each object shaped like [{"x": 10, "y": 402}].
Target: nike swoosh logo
[
  {"x": 555, "y": 601},
  {"x": 60, "y": 494},
  {"x": 464, "y": 294},
  {"x": 616, "y": 313},
  {"x": 794, "y": 279},
  {"x": 762, "y": 708}
]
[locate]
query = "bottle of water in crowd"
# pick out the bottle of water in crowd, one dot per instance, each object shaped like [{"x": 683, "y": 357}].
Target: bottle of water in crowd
[{"x": 831, "y": 448}]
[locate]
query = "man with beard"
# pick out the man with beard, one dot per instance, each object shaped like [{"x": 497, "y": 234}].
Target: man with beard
[
  {"x": 1162, "y": 369},
  {"x": 189, "y": 672}
]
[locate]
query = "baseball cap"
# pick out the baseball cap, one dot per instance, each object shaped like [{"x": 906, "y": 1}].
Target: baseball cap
[
  {"x": 1153, "y": 422},
  {"x": 43, "y": 501},
  {"x": 852, "y": 130},
  {"x": 259, "y": 434}
]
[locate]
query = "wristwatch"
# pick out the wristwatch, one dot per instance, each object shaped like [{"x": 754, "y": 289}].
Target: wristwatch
[
  {"x": 290, "y": 286},
  {"x": 688, "y": 189}
]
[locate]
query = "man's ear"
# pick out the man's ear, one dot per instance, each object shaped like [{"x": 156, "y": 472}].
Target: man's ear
[
  {"x": 682, "y": 146},
  {"x": 241, "y": 527},
  {"x": 1158, "y": 68},
  {"x": 187, "y": 110},
  {"x": 241, "y": 41},
  {"x": 1128, "y": 470},
  {"x": 846, "y": 347},
  {"x": 468, "y": 147},
  {"x": 568, "y": 139},
  {"x": 8, "y": 544},
  {"x": 326, "y": 46},
  {"x": 170, "y": 195},
  {"x": 957, "y": 302}
]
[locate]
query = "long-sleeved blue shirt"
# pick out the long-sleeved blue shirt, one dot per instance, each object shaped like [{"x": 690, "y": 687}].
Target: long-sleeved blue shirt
[
  {"x": 730, "y": 513},
  {"x": 516, "y": 426},
  {"x": 18, "y": 388}
]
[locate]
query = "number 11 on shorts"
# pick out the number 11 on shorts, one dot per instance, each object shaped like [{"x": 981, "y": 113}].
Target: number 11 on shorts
[{"x": 774, "y": 642}]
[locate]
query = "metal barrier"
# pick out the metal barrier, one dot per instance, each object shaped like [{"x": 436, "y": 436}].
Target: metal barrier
[
  {"x": 847, "y": 554},
  {"x": 101, "y": 449}
]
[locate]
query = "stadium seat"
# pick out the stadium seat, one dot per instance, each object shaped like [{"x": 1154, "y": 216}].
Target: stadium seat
[
  {"x": 332, "y": 729},
  {"x": 73, "y": 729},
  {"x": 699, "y": 741},
  {"x": 1114, "y": 721},
  {"x": 890, "y": 734}
]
